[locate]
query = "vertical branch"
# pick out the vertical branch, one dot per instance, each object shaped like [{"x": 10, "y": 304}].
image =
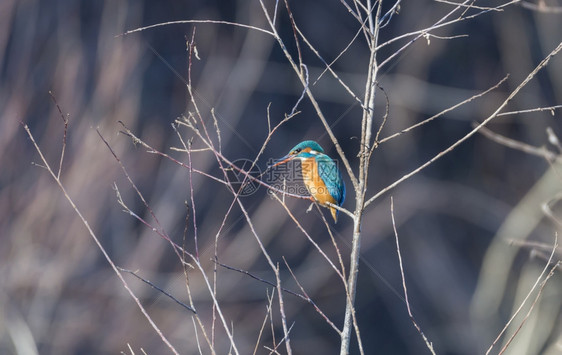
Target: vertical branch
[
  {"x": 191, "y": 192},
  {"x": 361, "y": 187},
  {"x": 196, "y": 336},
  {"x": 190, "y": 49},
  {"x": 369, "y": 103},
  {"x": 371, "y": 24},
  {"x": 282, "y": 311}
]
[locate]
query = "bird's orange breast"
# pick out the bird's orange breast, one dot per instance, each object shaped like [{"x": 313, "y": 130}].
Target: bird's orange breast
[{"x": 314, "y": 182}]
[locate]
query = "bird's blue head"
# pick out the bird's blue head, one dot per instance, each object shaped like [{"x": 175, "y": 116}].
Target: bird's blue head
[{"x": 303, "y": 150}]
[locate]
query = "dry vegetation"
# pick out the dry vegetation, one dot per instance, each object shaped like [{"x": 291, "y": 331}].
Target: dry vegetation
[{"x": 126, "y": 225}]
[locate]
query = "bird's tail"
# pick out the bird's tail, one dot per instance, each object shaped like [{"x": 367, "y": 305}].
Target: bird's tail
[{"x": 334, "y": 214}]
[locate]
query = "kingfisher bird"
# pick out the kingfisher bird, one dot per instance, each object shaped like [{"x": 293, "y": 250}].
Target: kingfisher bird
[{"x": 320, "y": 173}]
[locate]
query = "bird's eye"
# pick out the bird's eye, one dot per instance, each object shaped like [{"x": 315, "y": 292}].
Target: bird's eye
[{"x": 297, "y": 151}]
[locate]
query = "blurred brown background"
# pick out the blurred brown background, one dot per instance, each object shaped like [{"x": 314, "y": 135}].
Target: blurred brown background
[{"x": 455, "y": 219}]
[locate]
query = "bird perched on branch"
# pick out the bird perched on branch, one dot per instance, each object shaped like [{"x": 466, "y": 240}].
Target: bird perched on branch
[{"x": 320, "y": 173}]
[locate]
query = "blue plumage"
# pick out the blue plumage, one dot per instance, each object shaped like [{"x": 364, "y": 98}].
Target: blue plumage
[
  {"x": 331, "y": 175},
  {"x": 320, "y": 173}
]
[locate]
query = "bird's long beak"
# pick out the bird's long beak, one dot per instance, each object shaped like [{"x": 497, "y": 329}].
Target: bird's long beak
[{"x": 283, "y": 160}]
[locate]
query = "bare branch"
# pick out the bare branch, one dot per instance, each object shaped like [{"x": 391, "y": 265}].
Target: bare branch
[
  {"x": 297, "y": 44},
  {"x": 65, "y": 122},
  {"x": 260, "y": 279},
  {"x": 158, "y": 289},
  {"x": 470, "y": 6},
  {"x": 235, "y": 24},
  {"x": 427, "y": 342},
  {"x": 538, "y": 109},
  {"x": 524, "y": 147},
  {"x": 267, "y": 312}
]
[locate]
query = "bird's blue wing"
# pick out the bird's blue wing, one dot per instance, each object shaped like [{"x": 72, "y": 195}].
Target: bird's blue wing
[{"x": 330, "y": 174}]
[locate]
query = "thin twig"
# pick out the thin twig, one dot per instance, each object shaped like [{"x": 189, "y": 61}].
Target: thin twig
[
  {"x": 196, "y": 336},
  {"x": 297, "y": 44},
  {"x": 286, "y": 330},
  {"x": 294, "y": 110},
  {"x": 542, "y": 152},
  {"x": 318, "y": 310},
  {"x": 329, "y": 65},
  {"x": 332, "y": 237},
  {"x": 195, "y": 21},
  {"x": 283, "y": 340},
  {"x": 260, "y": 279},
  {"x": 538, "y": 109},
  {"x": 357, "y": 13},
  {"x": 427, "y": 342},
  {"x": 65, "y": 122},
  {"x": 267, "y": 312},
  {"x": 215, "y": 301},
  {"x": 272, "y": 327},
  {"x": 385, "y": 19},
  {"x": 151, "y": 149},
  {"x": 525, "y": 299},
  {"x": 158, "y": 288},
  {"x": 187, "y": 148},
  {"x": 376, "y": 142},
  {"x": 472, "y": 6}
]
